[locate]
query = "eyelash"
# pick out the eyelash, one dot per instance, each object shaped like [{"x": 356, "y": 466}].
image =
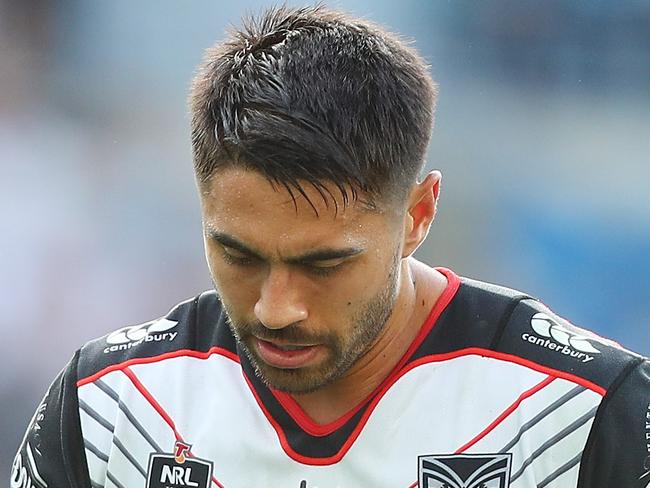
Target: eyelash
[
  {"x": 230, "y": 259},
  {"x": 323, "y": 271},
  {"x": 248, "y": 261}
]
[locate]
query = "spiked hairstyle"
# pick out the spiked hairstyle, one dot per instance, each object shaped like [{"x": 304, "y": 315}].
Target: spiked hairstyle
[{"x": 307, "y": 96}]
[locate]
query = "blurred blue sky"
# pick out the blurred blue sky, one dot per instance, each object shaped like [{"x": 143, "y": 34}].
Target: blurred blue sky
[{"x": 542, "y": 134}]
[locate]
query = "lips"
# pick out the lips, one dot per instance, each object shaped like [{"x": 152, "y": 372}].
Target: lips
[{"x": 287, "y": 356}]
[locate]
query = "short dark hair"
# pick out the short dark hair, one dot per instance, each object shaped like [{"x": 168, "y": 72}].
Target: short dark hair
[{"x": 310, "y": 95}]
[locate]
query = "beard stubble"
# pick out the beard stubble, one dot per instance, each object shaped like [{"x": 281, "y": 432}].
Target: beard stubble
[{"x": 344, "y": 349}]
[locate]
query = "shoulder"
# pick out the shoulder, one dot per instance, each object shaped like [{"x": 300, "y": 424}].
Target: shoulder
[
  {"x": 193, "y": 326},
  {"x": 513, "y": 326},
  {"x": 535, "y": 333},
  {"x": 54, "y": 449},
  {"x": 507, "y": 325}
]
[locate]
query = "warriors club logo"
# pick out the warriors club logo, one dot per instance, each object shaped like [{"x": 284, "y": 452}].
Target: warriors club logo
[{"x": 464, "y": 471}]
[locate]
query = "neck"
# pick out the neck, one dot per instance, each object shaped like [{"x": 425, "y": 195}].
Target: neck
[{"x": 419, "y": 289}]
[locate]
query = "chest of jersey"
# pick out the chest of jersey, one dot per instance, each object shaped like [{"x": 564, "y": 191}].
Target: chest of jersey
[{"x": 465, "y": 421}]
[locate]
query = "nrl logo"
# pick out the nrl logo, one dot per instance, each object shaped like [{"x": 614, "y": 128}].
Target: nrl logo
[
  {"x": 178, "y": 470},
  {"x": 464, "y": 471}
]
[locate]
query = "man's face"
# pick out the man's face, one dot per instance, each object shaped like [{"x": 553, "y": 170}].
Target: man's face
[{"x": 306, "y": 295}]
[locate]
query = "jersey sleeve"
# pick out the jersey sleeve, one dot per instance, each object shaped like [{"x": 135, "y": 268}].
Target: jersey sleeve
[
  {"x": 618, "y": 449},
  {"x": 52, "y": 454}
]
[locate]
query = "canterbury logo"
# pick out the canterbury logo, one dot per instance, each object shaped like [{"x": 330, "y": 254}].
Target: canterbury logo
[
  {"x": 128, "y": 337},
  {"x": 545, "y": 326},
  {"x": 139, "y": 332}
]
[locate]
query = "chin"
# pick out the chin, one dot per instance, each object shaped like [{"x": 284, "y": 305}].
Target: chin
[{"x": 293, "y": 381}]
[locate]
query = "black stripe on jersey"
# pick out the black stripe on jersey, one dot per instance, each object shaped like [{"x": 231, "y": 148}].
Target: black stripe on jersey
[
  {"x": 95, "y": 450},
  {"x": 575, "y": 425},
  {"x": 559, "y": 471},
  {"x": 104, "y": 457},
  {"x": 113, "y": 480},
  {"x": 127, "y": 413},
  {"x": 543, "y": 414},
  {"x": 520, "y": 339},
  {"x": 111, "y": 428},
  {"x": 202, "y": 324},
  {"x": 129, "y": 456},
  {"x": 486, "y": 316},
  {"x": 480, "y": 315},
  {"x": 98, "y": 418},
  {"x": 616, "y": 453},
  {"x": 301, "y": 442},
  {"x": 487, "y": 306},
  {"x": 52, "y": 449},
  {"x": 475, "y": 318}
]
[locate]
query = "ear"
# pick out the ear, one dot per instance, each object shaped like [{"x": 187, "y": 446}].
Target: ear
[{"x": 421, "y": 211}]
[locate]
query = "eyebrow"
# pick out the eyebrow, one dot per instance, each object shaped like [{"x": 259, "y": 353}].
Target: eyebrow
[{"x": 323, "y": 254}]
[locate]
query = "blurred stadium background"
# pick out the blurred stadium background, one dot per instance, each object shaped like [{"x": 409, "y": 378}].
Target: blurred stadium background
[{"x": 543, "y": 136}]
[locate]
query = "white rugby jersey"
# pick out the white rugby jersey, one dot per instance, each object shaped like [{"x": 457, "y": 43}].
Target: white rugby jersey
[{"x": 496, "y": 391}]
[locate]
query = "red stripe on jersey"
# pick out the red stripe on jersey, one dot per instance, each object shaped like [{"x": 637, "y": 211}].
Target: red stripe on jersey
[
  {"x": 552, "y": 373},
  {"x": 161, "y": 411},
  {"x": 161, "y": 357},
  {"x": 402, "y": 368},
  {"x": 320, "y": 430},
  {"x": 477, "y": 351},
  {"x": 153, "y": 402},
  {"x": 527, "y": 394},
  {"x": 506, "y": 413}
]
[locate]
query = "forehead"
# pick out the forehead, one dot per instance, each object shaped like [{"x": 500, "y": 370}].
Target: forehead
[{"x": 243, "y": 201}]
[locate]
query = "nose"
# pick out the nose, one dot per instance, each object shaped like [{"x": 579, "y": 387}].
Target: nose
[{"x": 279, "y": 304}]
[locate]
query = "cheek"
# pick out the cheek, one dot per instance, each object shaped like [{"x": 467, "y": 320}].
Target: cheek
[{"x": 345, "y": 296}]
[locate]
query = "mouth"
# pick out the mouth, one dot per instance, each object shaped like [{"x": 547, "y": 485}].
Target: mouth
[
  {"x": 287, "y": 356},
  {"x": 289, "y": 347}
]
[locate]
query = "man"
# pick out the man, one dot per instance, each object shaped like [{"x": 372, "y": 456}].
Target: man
[{"x": 328, "y": 356}]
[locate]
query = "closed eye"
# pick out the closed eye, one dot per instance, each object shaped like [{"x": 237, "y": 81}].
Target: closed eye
[
  {"x": 324, "y": 267},
  {"x": 235, "y": 256},
  {"x": 327, "y": 263}
]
